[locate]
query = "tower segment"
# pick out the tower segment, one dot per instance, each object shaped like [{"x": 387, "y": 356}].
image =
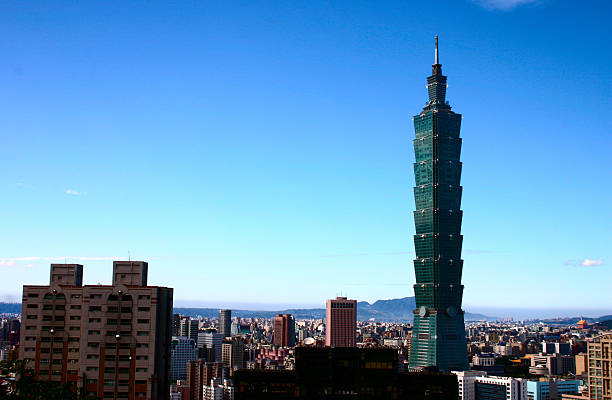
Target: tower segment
[{"x": 438, "y": 336}]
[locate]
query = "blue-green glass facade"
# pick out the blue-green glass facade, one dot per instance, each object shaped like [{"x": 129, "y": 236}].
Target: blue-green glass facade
[{"x": 438, "y": 336}]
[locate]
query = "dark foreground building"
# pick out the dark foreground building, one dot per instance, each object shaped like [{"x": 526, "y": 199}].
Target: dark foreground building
[
  {"x": 344, "y": 373},
  {"x": 438, "y": 336},
  {"x": 112, "y": 340}
]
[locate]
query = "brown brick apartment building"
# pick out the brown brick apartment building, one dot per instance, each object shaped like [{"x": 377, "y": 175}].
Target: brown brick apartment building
[{"x": 114, "y": 340}]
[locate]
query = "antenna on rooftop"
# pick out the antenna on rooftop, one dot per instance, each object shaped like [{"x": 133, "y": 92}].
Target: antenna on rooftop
[{"x": 436, "y": 50}]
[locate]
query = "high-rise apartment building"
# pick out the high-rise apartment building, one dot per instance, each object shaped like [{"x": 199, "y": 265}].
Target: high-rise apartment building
[
  {"x": 599, "y": 352},
  {"x": 113, "y": 340},
  {"x": 182, "y": 350},
  {"x": 284, "y": 330},
  {"x": 200, "y": 374},
  {"x": 225, "y": 323},
  {"x": 438, "y": 338},
  {"x": 341, "y": 322}
]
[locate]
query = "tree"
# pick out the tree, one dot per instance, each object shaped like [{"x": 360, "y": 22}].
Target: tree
[{"x": 17, "y": 382}]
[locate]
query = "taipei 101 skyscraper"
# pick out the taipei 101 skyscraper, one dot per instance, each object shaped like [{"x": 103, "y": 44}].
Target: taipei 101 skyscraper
[{"x": 438, "y": 335}]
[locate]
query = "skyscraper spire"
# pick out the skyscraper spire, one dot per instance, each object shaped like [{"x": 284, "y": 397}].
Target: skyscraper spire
[{"x": 437, "y": 62}]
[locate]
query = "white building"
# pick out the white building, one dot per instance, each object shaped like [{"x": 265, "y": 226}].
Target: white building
[{"x": 476, "y": 385}]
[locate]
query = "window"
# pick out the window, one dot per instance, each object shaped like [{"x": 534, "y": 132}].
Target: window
[
  {"x": 32, "y": 317},
  {"x": 137, "y": 369},
  {"x": 144, "y": 308},
  {"x": 144, "y": 297},
  {"x": 91, "y": 368},
  {"x": 142, "y": 333},
  {"x": 31, "y": 295},
  {"x": 111, "y": 321},
  {"x": 93, "y": 344},
  {"x": 95, "y": 308},
  {"x": 32, "y": 306},
  {"x": 143, "y": 321},
  {"x": 95, "y": 296},
  {"x": 75, "y": 296},
  {"x": 92, "y": 357},
  {"x": 45, "y": 306},
  {"x": 91, "y": 320},
  {"x": 75, "y": 318},
  {"x": 59, "y": 318},
  {"x": 93, "y": 332},
  {"x": 76, "y": 307}
]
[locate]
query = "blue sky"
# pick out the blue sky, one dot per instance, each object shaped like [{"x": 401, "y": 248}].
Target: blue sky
[{"x": 261, "y": 152}]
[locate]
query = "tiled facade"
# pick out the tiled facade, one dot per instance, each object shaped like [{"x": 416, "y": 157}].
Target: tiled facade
[
  {"x": 114, "y": 340},
  {"x": 341, "y": 322}
]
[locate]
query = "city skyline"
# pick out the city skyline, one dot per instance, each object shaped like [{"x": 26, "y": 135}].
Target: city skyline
[{"x": 281, "y": 151}]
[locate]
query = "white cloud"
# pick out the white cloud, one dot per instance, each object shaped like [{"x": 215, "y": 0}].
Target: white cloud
[
  {"x": 504, "y": 5},
  {"x": 72, "y": 192},
  {"x": 591, "y": 263}
]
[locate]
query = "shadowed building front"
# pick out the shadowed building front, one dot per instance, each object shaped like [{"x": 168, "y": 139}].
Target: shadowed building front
[{"x": 438, "y": 337}]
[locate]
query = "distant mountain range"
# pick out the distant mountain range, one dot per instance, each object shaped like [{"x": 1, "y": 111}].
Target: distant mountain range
[{"x": 394, "y": 310}]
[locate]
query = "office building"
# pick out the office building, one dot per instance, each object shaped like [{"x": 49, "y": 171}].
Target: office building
[
  {"x": 552, "y": 364},
  {"x": 176, "y": 325},
  {"x": 556, "y": 348},
  {"x": 112, "y": 340},
  {"x": 10, "y": 330},
  {"x": 284, "y": 330},
  {"x": 438, "y": 338},
  {"x": 182, "y": 350},
  {"x": 599, "y": 352},
  {"x": 342, "y": 373},
  {"x": 212, "y": 341},
  {"x": 232, "y": 353},
  {"x": 341, "y": 322},
  {"x": 486, "y": 362},
  {"x": 225, "y": 323},
  {"x": 476, "y": 385},
  {"x": 582, "y": 365},
  {"x": 551, "y": 388},
  {"x": 189, "y": 328}
]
